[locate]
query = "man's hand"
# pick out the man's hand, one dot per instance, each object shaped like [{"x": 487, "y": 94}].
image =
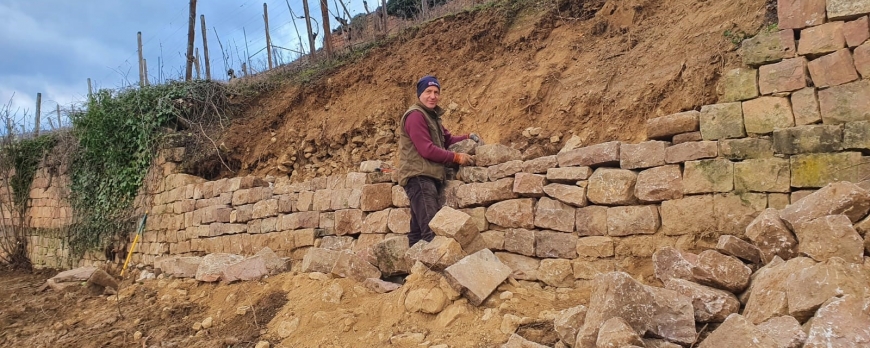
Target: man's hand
[{"x": 463, "y": 159}]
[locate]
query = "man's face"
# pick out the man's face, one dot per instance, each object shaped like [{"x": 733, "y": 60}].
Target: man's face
[{"x": 430, "y": 97}]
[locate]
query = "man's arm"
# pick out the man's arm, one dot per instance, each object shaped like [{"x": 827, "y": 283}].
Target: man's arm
[
  {"x": 450, "y": 139},
  {"x": 418, "y": 131}
]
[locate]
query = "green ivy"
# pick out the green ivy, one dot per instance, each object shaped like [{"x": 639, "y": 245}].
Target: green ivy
[{"x": 24, "y": 156}]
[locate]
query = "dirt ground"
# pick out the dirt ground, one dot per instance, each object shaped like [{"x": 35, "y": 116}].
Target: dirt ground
[
  {"x": 287, "y": 310},
  {"x": 597, "y": 69}
]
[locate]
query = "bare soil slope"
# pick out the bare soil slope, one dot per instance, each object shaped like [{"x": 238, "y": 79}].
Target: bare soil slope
[{"x": 597, "y": 69}]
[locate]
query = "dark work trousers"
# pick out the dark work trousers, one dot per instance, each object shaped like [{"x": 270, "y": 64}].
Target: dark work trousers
[{"x": 425, "y": 196}]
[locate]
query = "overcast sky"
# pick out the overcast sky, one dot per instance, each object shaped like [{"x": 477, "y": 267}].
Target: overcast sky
[{"x": 54, "y": 46}]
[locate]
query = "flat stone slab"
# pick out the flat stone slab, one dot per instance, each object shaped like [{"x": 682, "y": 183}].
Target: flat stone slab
[
  {"x": 604, "y": 154},
  {"x": 477, "y": 275}
]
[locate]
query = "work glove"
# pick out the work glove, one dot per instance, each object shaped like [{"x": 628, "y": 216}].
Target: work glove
[
  {"x": 476, "y": 138},
  {"x": 463, "y": 159}
]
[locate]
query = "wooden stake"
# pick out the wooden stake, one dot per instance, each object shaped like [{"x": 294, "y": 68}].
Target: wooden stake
[
  {"x": 247, "y": 53},
  {"x": 205, "y": 48},
  {"x": 191, "y": 29},
  {"x": 308, "y": 25},
  {"x": 327, "y": 36},
  {"x": 268, "y": 38},
  {"x": 145, "y": 71},
  {"x": 384, "y": 11},
  {"x": 244, "y": 69},
  {"x": 90, "y": 89},
  {"x": 141, "y": 67},
  {"x": 38, "y": 111},
  {"x": 58, "y": 116},
  {"x": 196, "y": 63}
]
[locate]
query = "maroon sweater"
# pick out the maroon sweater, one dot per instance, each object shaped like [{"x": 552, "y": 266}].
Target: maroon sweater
[{"x": 418, "y": 131}]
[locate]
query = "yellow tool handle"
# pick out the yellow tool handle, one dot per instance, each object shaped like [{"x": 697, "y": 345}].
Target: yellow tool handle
[{"x": 130, "y": 254}]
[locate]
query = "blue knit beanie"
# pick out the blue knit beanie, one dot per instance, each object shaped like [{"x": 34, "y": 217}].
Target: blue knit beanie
[{"x": 425, "y": 82}]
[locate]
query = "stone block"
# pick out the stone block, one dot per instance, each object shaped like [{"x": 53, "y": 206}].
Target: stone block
[
  {"x": 833, "y": 69},
  {"x": 286, "y": 203},
  {"x": 477, "y": 275},
  {"x": 212, "y": 266},
  {"x": 631, "y": 220},
  {"x": 591, "y": 221},
  {"x": 523, "y": 267},
  {"x": 179, "y": 267},
  {"x": 473, "y": 174},
  {"x": 494, "y": 240},
  {"x": 595, "y": 247},
  {"x": 766, "y": 114},
  {"x": 355, "y": 180},
  {"x": 517, "y": 341},
  {"x": 808, "y": 288},
  {"x": 731, "y": 245},
  {"x": 665, "y": 127},
  {"x": 389, "y": 256},
  {"x": 549, "y": 244},
  {"x": 786, "y": 76},
  {"x": 785, "y": 330},
  {"x": 438, "y": 254},
  {"x": 805, "y": 106},
  {"x": 265, "y": 208},
  {"x": 486, "y": 193},
  {"x": 820, "y": 169},
  {"x": 529, "y": 185},
  {"x": 845, "y": 103},
  {"x": 710, "y": 305},
  {"x": 451, "y": 223},
  {"x": 569, "y": 175},
  {"x": 605, "y": 154},
  {"x": 736, "y": 331},
  {"x": 856, "y": 136},
  {"x": 861, "y": 58},
  {"x": 840, "y": 322},
  {"x": 691, "y": 151},
  {"x": 857, "y": 31},
  {"x": 376, "y": 222},
  {"x": 610, "y": 186},
  {"x": 353, "y": 266},
  {"x": 400, "y": 198},
  {"x": 798, "y": 14},
  {"x": 644, "y": 155},
  {"x": 319, "y": 260},
  {"x": 687, "y": 137},
  {"x": 348, "y": 221},
  {"x": 346, "y": 198},
  {"x": 808, "y": 139},
  {"x": 322, "y": 200},
  {"x": 337, "y": 243},
  {"x": 540, "y": 165},
  {"x": 252, "y": 268},
  {"x": 734, "y": 212},
  {"x": 589, "y": 269},
  {"x": 515, "y": 213},
  {"x": 615, "y": 332},
  {"x": 746, "y": 148},
  {"x": 767, "y": 296},
  {"x": 721, "y": 271},
  {"x": 837, "y": 198},
  {"x": 492, "y": 154},
  {"x": 295, "y": 221},
  {"x": 520, "y": 241},
  {"x": 555, "y": 215},
  {"x": 762, "y": 175},
  {"x": 847, "y": 9},
  {"x": 670, "y": 263},
  {"x": 830, "y": 236},
  {"x": 707, "y": 176},
  {"x": 304, "y": 201},
  {"x": 738, "y": 84},
  {"x": 659, "y": 184},
  {"x": 568, "y": 322},
  {"x": 778, "y": 200},
  {"x": 504, "y": 170},
  {"x": 768, "y": 47},
  {"x": 399, "y": 220},
  {"x": 721, "y": 121},
  {"x": 379, "y": 178},
  {"x": 822, "y": 39},
  {"x": 376, "y": 197},
  {"x": 370, "y": 166},
  {"x": 691, "y": 215},
  {"x": 568, "y": 194}
]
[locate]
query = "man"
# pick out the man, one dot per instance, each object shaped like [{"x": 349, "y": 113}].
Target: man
[{"x": 423, "y": 157}]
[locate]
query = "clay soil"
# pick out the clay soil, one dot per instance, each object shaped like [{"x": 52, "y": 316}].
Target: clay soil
[{"x": 597, "y": 69}]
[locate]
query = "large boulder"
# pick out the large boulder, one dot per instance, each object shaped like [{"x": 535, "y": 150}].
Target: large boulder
[
  {"x": 721, "y": 271},
  {"x": 771, "y": 236},
  {"x": 711, "y": 305},
  {"x": 837, "y": 198},
  {"x": 809, "y": 288},
  {"x": 840, "y": 322},
  {"x": 213, "y": 265},
  {"x": 737, "y": 331}
]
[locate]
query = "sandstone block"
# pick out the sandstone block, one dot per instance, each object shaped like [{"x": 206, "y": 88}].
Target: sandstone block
[
  {"x": 555, "y": 245},
  {"x": 820, "y": 169},
  {"x": 591, "y": 221},
  {"x": 345, "y": 199},
  {"x": 451, "y": 223},
  {"x": 840, "y": 322},
  {"x": 477, "y": 275},
  {"x": 821, "y": 39},
  {"x": 569, "y": 175},
  {"x": 861, "y": 58},
  {"x": 438, "y": 254},
  {"x": 540, "y": 165},
  {"x": 555, "y": 215},
  {"x": 785, "y": 330},
  {"x": 734, "y": 212},
  {"x": 251, "y": 268},
  {"x": 399, "y": 220},
  {"x": 515, "y": 213},
  {"x": 768, "y": 47},
  {"x": 810, "y": 287},
  {"x": 390, "y": 256},
  {"x": 485, "y": 193},
  {"x": 265, "y": 208},
  {"x": 376, "y": 197},
  {"x": 595, "y": 247},
  {"x": 706, "y": 176},
  {"x": 856, "y": 135},
  {"x": 304, "y": 201},
  {"x": 764, "y": 115},
  {"x": 630, "y": 220},
  {"x": 721, "y": 271},
  {"x": 786, "y": 76},
  {"x": 529, "y": 185},
  {"x": 710, "y": 305},
  {"x": 736, "y": 331},
  {"x": 604, "y": 154},
  {"x": 846, "y": 9},
  {"x": 355, "y": 180},
  {"x": 504, "y": 170},
  {"x": 805, "y": 106},
  {"x": 857, "y": 31},
  {"x": 588, "y": 270},
  {"x": 667, "y": 126},
  {"x": 337, "y": 243},
  {"x": 833, "y": 69},
  {"x": 644, "y": 155},
  {"x": 494, "y": 240},
  {"x": 660, "y": 312},
  {"x": 615, "y": 332},
  {"x": 348, "y": 221},
  {"x": 738, "y": 85},
  {"x": 778, "y": 200},
  {"x": 376, "y": 222},
  {"x": 690, "y": 215},
  {"x": 830, "y": 236},
  {"x": 322, "y": 200},
  {"x": 797, "y": 14},
  {"x": 556, "y": 273},
  {"x": 659, "y": 184},
  {"x": 179, "y": 267},
  {"x": 492, "y": 154},
  {"x": 380, "y": 286},
  {"x": 691, "y": 151},
  {"x": 517, "y": 341},
  {"x": 400, "y": 198},
  {"x": 319, "y": 260},
  {"x": 721, "y": 121},
  {"x": 762, "y": 175},
  {"x": 478, "y": 215},
  {"x": 212, "y": 266},
  {"x": 808, "y": 139},
  {"x": 568, "y": 194},
  {"x": 834, "y": 199},
  {"x": 845, "y": 103},
  {"x": 568, "y": 322},
  {"x": 687, "y": 137},
  {"x": 670, "y": 263},
  {"x": 524, "y": 267},
  {"x": 730, "y": 245},
  {"x": 746, "y": 148},
  {"x": 612, "y": 186},
  {"x": 520, "y": 241},
  {"x": 766, "y": 298}
]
